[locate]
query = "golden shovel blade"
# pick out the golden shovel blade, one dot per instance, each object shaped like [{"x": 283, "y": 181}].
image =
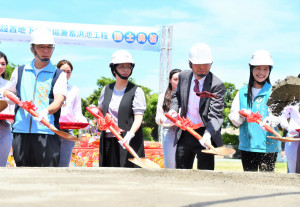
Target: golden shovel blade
[
  {"x": 3, "y": 105},
  {"x": 285, "y": 139},
  {"x": 220, "y": 151},
  {"x": 63, "y": 134},
  {"x": 144, "y": 163}
]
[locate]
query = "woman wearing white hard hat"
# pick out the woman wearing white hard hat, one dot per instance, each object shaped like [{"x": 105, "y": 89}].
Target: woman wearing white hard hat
[
  {"x": 126, "y": 103},
  {"x": 257, "y": 151}
]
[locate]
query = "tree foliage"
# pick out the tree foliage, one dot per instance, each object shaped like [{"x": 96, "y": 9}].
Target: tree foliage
[
  {"x": 8, "y": 71},
  {"x": 230, "y": 92}
]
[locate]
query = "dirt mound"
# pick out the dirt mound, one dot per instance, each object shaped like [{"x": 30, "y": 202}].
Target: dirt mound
[{"x": 284, "y": 92}]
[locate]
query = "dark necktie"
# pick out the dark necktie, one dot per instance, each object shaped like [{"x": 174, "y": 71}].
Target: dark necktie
[{"x": 196, "y": 87}]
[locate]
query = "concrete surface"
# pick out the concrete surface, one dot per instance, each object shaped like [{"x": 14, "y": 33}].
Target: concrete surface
[{"x": 140, "y": 187}]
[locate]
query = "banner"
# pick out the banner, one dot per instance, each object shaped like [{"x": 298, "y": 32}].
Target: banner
[{"x": 126, "y": 37}]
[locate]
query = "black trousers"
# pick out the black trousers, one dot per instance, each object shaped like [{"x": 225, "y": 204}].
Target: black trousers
[
  {"x": 36, "y": 150},
  {"x": 187, "y": 147},
  {"x": 252, "y": 161}
]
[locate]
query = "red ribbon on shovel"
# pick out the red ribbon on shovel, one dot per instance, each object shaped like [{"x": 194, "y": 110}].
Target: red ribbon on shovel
[
  {"x": 206, "y": 94},
  {"x": 180, "y": 123},
  {"x": 31, "y": 109},
  {"x": 107, "y": 122},
  {"x": 256, "y": 117}
]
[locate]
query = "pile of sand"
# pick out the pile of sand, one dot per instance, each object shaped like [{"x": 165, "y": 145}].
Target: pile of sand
[{"x": 284, "y": 93}]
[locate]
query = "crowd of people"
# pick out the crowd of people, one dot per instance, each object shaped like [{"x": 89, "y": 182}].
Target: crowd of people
[{"x": 46, "y": 85}]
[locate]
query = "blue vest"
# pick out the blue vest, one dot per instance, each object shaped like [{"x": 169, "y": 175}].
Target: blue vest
[
  {"x": 39, "y": 89},
  {"x": 252, "y": 138}
]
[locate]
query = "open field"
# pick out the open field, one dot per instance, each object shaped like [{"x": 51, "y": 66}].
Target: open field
[{"x": 236, "y": 166}]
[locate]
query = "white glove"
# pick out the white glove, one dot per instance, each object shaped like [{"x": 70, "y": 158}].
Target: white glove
[
  {"x": 167, "y": 121},
  {"x": 129, "y": 135},
  {"x": 10, "y": 102},
  {"x": 271, "y": 121},
  {"x": 43, "y": 114},
  {"x": 292, "y": 131},
  {"x": 284, "y": 123},
  {"x": 247, "y": 111},
  {"x": 206, "y": 138},
  {"x": 261, "y": 124},
  {"x": 95, "y": 109}
]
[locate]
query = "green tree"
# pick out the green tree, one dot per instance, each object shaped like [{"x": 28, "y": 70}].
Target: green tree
[
  {"x": 230, "y": 92},
  {"x": 9, "y": 69}
]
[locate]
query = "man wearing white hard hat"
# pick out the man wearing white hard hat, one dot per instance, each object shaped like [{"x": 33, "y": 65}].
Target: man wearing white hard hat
[
  {"x": 257, "y": 151},
  {"x": 35, "y": 145},
  {"x": 205, "y": 110},
  {"x": 126, "y": 103}
]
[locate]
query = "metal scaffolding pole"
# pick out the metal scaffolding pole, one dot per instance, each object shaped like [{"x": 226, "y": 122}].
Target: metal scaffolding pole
[{"x": 165, "y": 63}]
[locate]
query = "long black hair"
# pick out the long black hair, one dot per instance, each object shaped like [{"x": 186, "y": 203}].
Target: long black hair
[
  {"x": 251, "y": 82},
  {"x": 2, "y": 55},
  {"x": 168, "y": 94}
]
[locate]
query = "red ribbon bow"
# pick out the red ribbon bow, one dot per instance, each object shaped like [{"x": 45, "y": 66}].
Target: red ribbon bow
[
  {"x": 27, "y": 105},
  {"x": 108, "y": 121},
  {"x": 253, "y": 117},
  {"x": 205, "y": 94},
  {"x": 183, "y": 123}
]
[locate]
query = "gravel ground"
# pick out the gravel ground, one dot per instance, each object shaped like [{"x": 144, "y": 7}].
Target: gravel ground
[{"x": 143, "y": 187}]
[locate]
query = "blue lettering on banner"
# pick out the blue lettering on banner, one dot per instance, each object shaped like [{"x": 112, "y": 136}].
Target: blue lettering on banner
[
  {"x": 104, "y": 35},
  {"x": 117, "y": 36},
  {"x": 4, "y": 28},
  {"x": 22, "y": 30},
  {"x": 13, "y": 29},
  {"x": 64, "y": 33},
  {"x": 141, "y": 37},
  {"x": 152, "y": 38},
  {"x": 56, "y": 32},
  {"x": 89, "y": 34},
  {"x": 129, "y": 37},
  {"x": 72, "y": 33},
  {"x": 80, "y": 34}
]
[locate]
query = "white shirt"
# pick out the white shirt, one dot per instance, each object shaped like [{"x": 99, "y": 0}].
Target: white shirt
[
  {"x": 3, "y": 86},
  {"x": 159, "y": 110},
  {"x": 138, "y": 104},
  {"x": 193, "y": 103},
  {"x": 60, "y": 86},
  {"x": 234, "y": 115},
  {"x": 71, "y": 109},
  {"x": 293, "y": 113}
]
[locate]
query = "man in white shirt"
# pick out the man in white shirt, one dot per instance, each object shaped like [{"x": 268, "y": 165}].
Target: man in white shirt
[
  {"x": 199, "y": 110},
  {"x": 35, "y": 145}
]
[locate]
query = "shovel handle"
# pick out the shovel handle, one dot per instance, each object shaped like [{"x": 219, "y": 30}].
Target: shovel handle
[
  {"x": 31, "y": 111},
  {"x": 269, "y": 129},
  {"x": 194, "y": 133},
  {"x": 117, "y": 135}
]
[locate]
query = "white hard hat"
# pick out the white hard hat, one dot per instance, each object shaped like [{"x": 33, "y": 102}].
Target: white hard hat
[
  {"x": 121, "y": 56},
  {"x": 200, "y": 53},
  {"x": 261, "y": 57},
  {"x": 42, "y": 36}
]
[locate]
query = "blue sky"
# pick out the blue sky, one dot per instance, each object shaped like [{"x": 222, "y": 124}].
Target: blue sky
[{"x": 233, "y": 28}]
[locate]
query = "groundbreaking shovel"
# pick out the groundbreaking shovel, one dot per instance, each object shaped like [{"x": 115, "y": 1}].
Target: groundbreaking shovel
[
  {"x": 46, "y": 123},
  {"x": 212, "y": 150},
  {"x": 256, "y": 117},
  {"x": 142, "y": 162},
  {"x": 285, "y": 139},
  {"x": 3, "y": 105}
]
